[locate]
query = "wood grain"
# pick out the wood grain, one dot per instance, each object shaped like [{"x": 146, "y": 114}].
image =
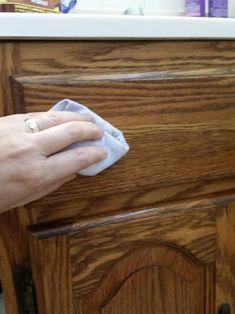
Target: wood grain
[
  {"x": 13, "y": 252},
  {"x": 225, "y": 273},
  {"x": 162, "y": 116},
  {"x": 189, "y": 226},
  {"x": 190, "y": 231},
  {"x": 11, "y": 224},
  {"x": 172, "y": 98},
  {"x": 139, "y": 238},
  {"x": 45, "y": 57},
  {"x": 171, "y": 251},
  {"x": 160, "y": 271},
  {"x": 8, "y": 65},
  {"x": 151, "y": 88},
  {"x": 59, "y": 206},
  {"x": 7, "y": 279},
  {"x": 52, "y": 275}
]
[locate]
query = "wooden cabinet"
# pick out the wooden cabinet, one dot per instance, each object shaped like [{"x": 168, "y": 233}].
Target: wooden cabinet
[
  {"x": 154, "y": 234},
  {"x": 159, "y": 260}
]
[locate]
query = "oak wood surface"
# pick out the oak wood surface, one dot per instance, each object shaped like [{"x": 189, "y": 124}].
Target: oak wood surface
[
  {"x": 164, "y": 118},
  {"x": 225, "y": 274},
  {"x": 161, "y": 272},
  {"x": 58, "y": 57},
  {"x": 52, "y": 275},
  {"x": 13, "y": 232},
  {"x": 14, "y": 252},
  {"x": 8, "y": 65},
  {"x": 153, "y": 234},
  {"x": 183, "y": 87},
  {"x": 170, "y": 251}
]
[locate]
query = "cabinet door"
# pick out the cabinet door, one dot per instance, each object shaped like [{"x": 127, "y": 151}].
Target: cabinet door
[{"x": 155, "y": 261}]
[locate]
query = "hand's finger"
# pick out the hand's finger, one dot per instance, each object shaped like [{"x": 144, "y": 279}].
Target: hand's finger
[
  {"x": 53, "y": 118},
  {"x": 72, "y": 161},
  {"x": 20, "y": 116},
  {"x": 44, "y": 120},
  {"x": 15, "y": 122},
  {"x": 57, "y": 138}
]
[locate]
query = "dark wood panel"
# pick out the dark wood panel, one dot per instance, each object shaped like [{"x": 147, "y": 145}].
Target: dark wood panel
[
  {"x": 13, "y": 248},
  {"x": 13, "y": 256},
  {"x": 64, "y": 205},
  {"x": 188, "y": 226},
  {"x": 145, "y": 281},
  {"x": 155, "y": 97},
  {"x": 175, "y": 103},
  {"x": 225, "y": 272},
  {"x": 97, "y": 249},
  {"x": 55, "y": 57},
  {"x": 51, "y": 270},
  {"x": 189, "y": 134},
  {"x": 174, "y": 245},
  {"x": 8, "y": 65}
]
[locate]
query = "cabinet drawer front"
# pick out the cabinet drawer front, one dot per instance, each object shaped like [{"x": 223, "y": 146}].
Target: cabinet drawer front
[{"x": 180, "y": 126}]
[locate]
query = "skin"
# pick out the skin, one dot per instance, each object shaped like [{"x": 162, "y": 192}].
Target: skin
[{"x": 33, "y": 164}]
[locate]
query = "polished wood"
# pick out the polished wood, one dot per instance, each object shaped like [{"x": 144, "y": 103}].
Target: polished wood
[
  {"x": 52, "y": 275},
  {"x": 13, "y": 238},
  {"x": 13, "y": 253},
  {"x": 154, "y": 233},
  {"x": 158, "y": 117},
  {"x": 8, "y": 65},
  {"x": 225, "y": 275},
  {"x": 73, "y": 57},
  {"x": 164, "y": 250}
]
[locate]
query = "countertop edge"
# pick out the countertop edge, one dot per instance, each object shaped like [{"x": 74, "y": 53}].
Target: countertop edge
[{"x": 107, "y": 27}]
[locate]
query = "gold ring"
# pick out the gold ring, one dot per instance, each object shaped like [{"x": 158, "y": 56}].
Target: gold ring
[{"x": 31, "y": 126}]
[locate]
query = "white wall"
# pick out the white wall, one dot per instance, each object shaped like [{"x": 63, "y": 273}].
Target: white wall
[
  {"x": 162, "y": 7},
  {"x": 232, "y": 8},
  {"x": 168, "y": 6}
]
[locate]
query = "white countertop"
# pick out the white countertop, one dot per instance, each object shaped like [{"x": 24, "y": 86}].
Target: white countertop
[{"x": 94, "y": 26}]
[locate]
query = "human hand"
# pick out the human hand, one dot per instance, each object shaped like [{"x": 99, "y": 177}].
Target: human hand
[{"x": 33, "y": 164}]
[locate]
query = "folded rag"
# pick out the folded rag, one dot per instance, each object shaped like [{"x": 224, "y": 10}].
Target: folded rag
[{"x": 113, "y": 140}]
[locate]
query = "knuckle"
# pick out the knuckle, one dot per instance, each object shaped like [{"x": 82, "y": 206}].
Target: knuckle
[
  {"x": 82, "y": 130},
  {"x": 83, "y": 159},
  {"x": 72, "y": 129},
  {"x": 97, "y": 131},
  {"x": 54, "y": 118},
  {"x": 89, "y": 155}
]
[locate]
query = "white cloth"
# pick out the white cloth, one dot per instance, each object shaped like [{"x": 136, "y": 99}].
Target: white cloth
[{"x": 113, "y": 140}]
